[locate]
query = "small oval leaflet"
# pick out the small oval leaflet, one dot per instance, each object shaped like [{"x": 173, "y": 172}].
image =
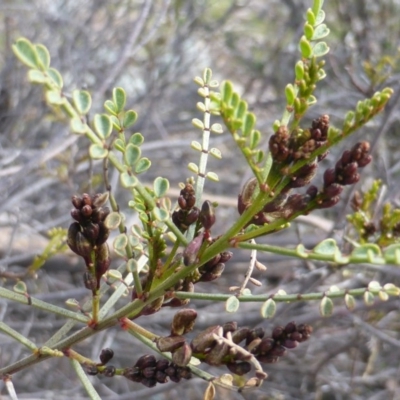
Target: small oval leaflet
[
  {"x": 326, "y": 307},
  {"x": 320, "y": 49},
  {"x": 102, "y": 125},
  {"x": 56, "y": 77},
  {"x": 43, "y": 55},
  {"x": 350, "y": 301},
  {"x": 268, "y": 309},
  {"x": 119, "y": 98},
  {"x": 161, "y": 186},
  {"x": 128, "y": 181},
  {"x": 25, "y": 52},
  {"x": 82, "y": 101},
  {"x": 113, "y": 220},
  {"x": 143, "y": 165},
  {"x": 20, "y": 287},
  {"x": 232, "y": 304},
  {"x": 98, "y": 152},
  {"x": 132, "y": 154},
  {"x": 130, "y": 118},
  {"x": 120, "y": 242},
  {"x": 36, "y": 76},
  {"x": 77, "y": 126},
  {"x": 369, "y": 298},
  {"x": 327, "y": 247}
]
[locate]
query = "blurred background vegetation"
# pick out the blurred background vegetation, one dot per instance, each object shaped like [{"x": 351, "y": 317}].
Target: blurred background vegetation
[{"x": 154, "y": 49}]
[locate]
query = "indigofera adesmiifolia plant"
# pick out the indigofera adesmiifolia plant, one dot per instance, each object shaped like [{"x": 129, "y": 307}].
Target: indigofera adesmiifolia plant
[{"x": 173, "y": 246}]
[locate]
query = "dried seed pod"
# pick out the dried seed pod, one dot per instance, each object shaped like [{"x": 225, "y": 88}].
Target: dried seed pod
[
  {"x": 217, "y": 353},
  {"x": 170, "y": 343},
  {"x": 181, "y": 356},
  {"x": 103, "y": 261},
  {"x": 240, "y": 335},
  {"x": 183, "y": 321},
  {"x": 205, "y": 339}
]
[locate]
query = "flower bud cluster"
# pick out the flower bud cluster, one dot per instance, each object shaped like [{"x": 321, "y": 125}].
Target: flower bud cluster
[
  {"x": 88, "y": 235},
  {"x": 187, "y": 214},
  {"x": 237, "y": 348},
  {"x": 344, "y": 173},
  {"x": 149, "y": 371},
  {"x": 287, "y": 147}
]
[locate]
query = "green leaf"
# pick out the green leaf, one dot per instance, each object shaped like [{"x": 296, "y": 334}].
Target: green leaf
[
  {"x": 160, "y": 214},
  {"x": 226, "y": 91},
  {"x": 54, "y": 97},
  {"x": 25, "y": 52},
  {"x": 212, "y": 176},
  {"x": 143, "y": 165},
  {"x": 320, "y": 32},
  {"x": 392, "y": 254},
  {"x": 120, "y": 242},
  {"x": 98, "y": 152},
  {"x": 36, "y": 76},
  {"x": 110, "y": 107},
  {"x": 255, "y": 138},
  {"x": 82, "y": 101},
  {"x": 132, "y": 154},
  {"x": 119, "y": 98},
  {"x": 326, "y": 307},
  {"x": 216, "y": 128},
  {"x": 320, "y": 49},
  {"x": 102, "y": 125},
  {"x": 248, "y": 125},
  {"x": 20, "y": 287},
  {"x": 128, "y": 181},
  {"x": 113, "y": 220},
  {"x": 350, "y": 301},
  {"x": 77, "y": 126},
  {"x": 161, "y": 186},
  {"x": 137, "y": 139},
  {"x": 115, "y": 122},
  {"x": 55, "y": 77},
  {"x": 130, "y": 118},
  {"x": 268, "y": 309},
  {"x": 43, "y": 56},
  {"x": 232, "y": 304},
  {"x": 327, "y": 247},
  {"x": 369, "y": 298},
  {"x": 367, "y": 252},
  {"x": 305, "y": 48},
  {"x": 119, "y": 145},
  {"x": 320, "y": 18}
]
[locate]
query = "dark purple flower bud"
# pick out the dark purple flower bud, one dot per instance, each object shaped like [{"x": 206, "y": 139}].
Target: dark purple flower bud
[
  {"x": 77, "y": 215},
  {"x": 226, "y": 256},
  {"x": 76, "y": 201},
  {"x": 145, "y": 361},
  {"x": 149, "y": 372},
  {"x": 190, "y": 253},
  {"x": 171, "y": 370},
  {"x": 161, "y": 377},
  {"x": 103, "y": 234},
  {"x": 240, "y": 335},
  {"x": 333, "y": 190},
  {"x": 267, "y": 359},
  {"x": 240, "y": 368},
  {"x": 278, "y": 332},
  {"x": 192, "y": 216},
  {"x": 346, "y": 157},
  {"x": 229, "y": 327},
  {"x": 91, "y": 231},
  {"x": 297, "y": 336},
  {"x": 278, "y": 351},
  {"x": 255, "y": 333},
  {"x": 106, "y": 355},
  {"x": 327, "y": 203},
  {"x": 84, "y": 247},
  {"x": 329, "y": 177},
  {"x": 207, "y": 215},
  {"x": 312, "y": 192},
  {"x": 266, "y": 345},
  {"x": 290, "y": 344},
  {"x": 86, "y": 199},
  {"x": 184, "y": 372},
  {"x": 182, "y": 202},
  {"x": 133, "y": 374},
  {"x": 290, "y": 327},
  {"x": 162, "y": 364},
  {"x": 86, "y": 211},
  {"x": 89, "y": 281},
  {"x": 73, "y": 229},
  {"x": 351, "y": 179}
]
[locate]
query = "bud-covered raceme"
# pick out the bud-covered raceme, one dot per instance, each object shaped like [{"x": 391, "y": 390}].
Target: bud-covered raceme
[
  {"x": 187, "y": 214},
  {"x": 88, "y": 235},
  {"x": 149, "y": 371}
]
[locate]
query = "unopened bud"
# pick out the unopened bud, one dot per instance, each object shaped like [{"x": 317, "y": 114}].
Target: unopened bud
[{"x": 183, "y": 321}]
